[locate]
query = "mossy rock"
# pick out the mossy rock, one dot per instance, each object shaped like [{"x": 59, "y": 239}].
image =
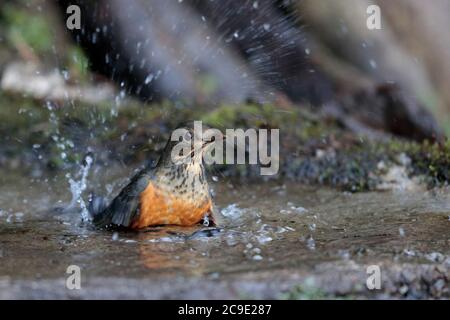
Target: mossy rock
[{"x": 313, "y": 150}]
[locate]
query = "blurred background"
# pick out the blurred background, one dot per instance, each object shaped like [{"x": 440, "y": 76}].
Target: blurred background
[{"x": 317, "y": 54}]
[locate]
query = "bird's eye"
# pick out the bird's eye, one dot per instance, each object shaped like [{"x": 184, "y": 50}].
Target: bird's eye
[{"x": 187, "y": 137}]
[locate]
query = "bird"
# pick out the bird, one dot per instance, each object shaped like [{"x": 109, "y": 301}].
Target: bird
[{"x": 175, "y": 191}]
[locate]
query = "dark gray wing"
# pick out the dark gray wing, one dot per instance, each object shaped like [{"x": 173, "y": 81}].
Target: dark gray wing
[{"x": 123, "y": 209}]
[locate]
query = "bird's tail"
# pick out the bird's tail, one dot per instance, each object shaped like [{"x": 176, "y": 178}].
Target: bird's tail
[{"x": 96, "y": 206}]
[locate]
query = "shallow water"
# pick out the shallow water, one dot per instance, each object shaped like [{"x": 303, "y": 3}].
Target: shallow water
[{"x": 275, "y": 236}]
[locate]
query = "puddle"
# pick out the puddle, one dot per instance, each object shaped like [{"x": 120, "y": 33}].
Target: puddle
[{"x": 276, "y": 235}]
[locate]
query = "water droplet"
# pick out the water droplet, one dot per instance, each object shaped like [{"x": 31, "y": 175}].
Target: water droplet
[
  {"x": 310, "y": 243},
  {"x": 206, "y": 220},
  {"x": 408, "y": 252},
  {"x": 263, "y": 239},
  {"x": 299, "y": 209},
  {"x": 344, "y": 254},
  {"x": 256, "y": 250},
  {"x": 65, "y": 74},
  {"x": 149, "y": 78}
]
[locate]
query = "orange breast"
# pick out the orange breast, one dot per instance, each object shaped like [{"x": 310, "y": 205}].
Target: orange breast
[{"x": 157, "y": 207}]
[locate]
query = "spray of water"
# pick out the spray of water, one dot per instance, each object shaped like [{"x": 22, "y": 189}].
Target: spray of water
[{"x": 77, "y": 187}]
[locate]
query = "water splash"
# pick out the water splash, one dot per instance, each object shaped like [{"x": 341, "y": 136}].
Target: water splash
[
  {"x": 77, "y": 187},
  {"x": 206, "y": 220},
  {"x": 232, "y": 211}
]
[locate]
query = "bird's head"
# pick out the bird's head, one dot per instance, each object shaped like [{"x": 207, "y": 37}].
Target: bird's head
[{"x": 188, "y": 143}]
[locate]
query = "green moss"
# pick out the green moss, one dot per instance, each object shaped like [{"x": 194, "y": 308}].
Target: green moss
[
  {"x": 301, "y": 292},
  {"x": 225, "y": 116},
  {"x": 292, "y": 120},
  {"x": 312, "y": 150},
  {"x": 430, "y": 160},
  {"x": 21, "y": 115},
  {"x": 27, "y": 27},
  {"x": 77, "y": 63}
]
